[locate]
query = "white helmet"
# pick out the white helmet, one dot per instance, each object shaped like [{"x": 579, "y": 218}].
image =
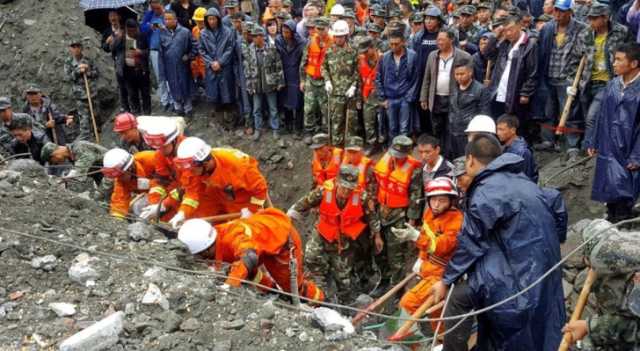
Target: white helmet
[
  {"x": 339, "y": 28},
  {"x": 337, "y": 10},
  {"x": 194, "y": 148},
  {"x": 481, "y": 124},
  {"x": 441, "y": 186},
  {"x": 197, "y": 234},
  {"x": 161, "y": 133},
  {"x": 115, "y": 162}
]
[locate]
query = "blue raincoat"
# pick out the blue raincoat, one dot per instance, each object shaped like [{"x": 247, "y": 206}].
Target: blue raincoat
[
  {"x": 616, "y": 136},
  {"x": 520, "y": 148},
  {"x": 219, "y": 44},
  {"x": 174, "y": 45},
  {"x": 507, "y": 241},
  {"x": 291, "y": 56}
]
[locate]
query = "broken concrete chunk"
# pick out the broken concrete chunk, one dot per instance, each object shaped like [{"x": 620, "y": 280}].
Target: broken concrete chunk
[
  {"x": 82, "y": 271},
  {"x": 63, "y": 309},
  {"x": 139, "y": 231},
  {"x": 335, "y": 325},
  {"x": 154, "y": 296},
  {"x": 46, "y": 263},
  {"x": 99, "y": 336}
]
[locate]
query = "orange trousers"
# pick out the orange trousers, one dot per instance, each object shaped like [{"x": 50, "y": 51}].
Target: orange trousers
[{"x": 417, "y": 295}]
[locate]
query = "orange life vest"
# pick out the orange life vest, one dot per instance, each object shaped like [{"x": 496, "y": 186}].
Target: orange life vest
[
  {"x": 393, "y": 184},
  {"x": 363, "y": 168},
  {"x": 320, "y": 174},
  {"x": 368, "y": 75},
  {"x": 333, "y": 221},
  {"x": 317, "y": 49}
]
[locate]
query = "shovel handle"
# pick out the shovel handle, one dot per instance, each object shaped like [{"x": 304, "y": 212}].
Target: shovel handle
[
  {"x": 222, "y": 218},
  {"x": 426, "y": 307},
  {"x": 566, "y": 110},
  {"x": 374, "y": 305},
  {"x": 580, "y": 304}
]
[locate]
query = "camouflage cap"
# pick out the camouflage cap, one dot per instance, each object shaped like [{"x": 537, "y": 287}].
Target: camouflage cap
[
  {"x": 372, "y": 27},
  {"x": 544, "y": 18},
  {"x": 417, "y": 17},
  {"x": 498, "y": 22},
  {"x": 484, "y": 5},
  {"x": 456, "y": 14},
  {"x": 459, "y": 167},
  {"x": 379, "y": 12},
  {"x": 319, "y": 140},
  {"x": 47, "y": 151},
  {"x": 32, "y": 88},
  {"x": 354, "y": 143},
  {"x": 237, "y": 16},
  {"x": 348, "y": 176},
  {"x": 283, "y": 15},
  {"x": 348, "y": 13},
  {"x": 287, "y": 3},
  {"x": 257, "y": 30},
  {"x": 364, "y": 44},
  {"x": 5, "y": 103},
  {"x": 394, "y": 12},
  {"x": 231, "y": 3},
  {"x": 77, "y": 41},
  {"x": 21, "y": 121},
  {"x": 311, "y": 23},
  {"x": 598, "y": 9},
  {"x": 322, "y": 22},
  {"x": 401, "y": 146},
  {"x": 468, "y": 10},
  {"x": 247, "y": 26}
]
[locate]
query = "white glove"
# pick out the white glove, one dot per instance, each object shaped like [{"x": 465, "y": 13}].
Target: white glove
[
  {"x": 293, "y": 214},
  {"x": 351, "y": 91},
  {"x": 408, "y": 233},
  {"x": 72, "y": 173},
  {"x": 225, "y": 287},
  {"x": 328, "y": 87},
  {"x": 143, "y": 183},
  {"x": 571, "y": 91},
  {"x": 151, "y": 212},
  {"x": 177, "y": 220},
  {"x": 417, "y": 266},
  {"x": 245, "y": 213}
]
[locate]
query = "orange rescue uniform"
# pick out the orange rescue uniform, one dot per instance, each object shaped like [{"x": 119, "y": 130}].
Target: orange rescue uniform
[
  {"x": 316, "y": 51},
  {"x": 445, "y": 228},
  {"x": 197, "y": 65},
  {"x": 144, "y": 165},
  {"x": 166, "y": 176},
  {"x": 394, "y": 182},
  {"x": 272, "y": 237},
  {"x": 329, "y": 171}
]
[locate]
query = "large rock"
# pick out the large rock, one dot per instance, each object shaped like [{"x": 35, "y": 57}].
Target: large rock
[
  {"x": 100, "y": 336},
  {"x": 139, "y": 231},
  {"x": 46, "y": 263},
  {"x": 82, "y": 271},
  {"x": 27, "y": 167},
  {"x": 335, "y": 325}
]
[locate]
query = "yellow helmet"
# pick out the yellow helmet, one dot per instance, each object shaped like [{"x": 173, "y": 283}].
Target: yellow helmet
[{"x": 198, "y": 15}]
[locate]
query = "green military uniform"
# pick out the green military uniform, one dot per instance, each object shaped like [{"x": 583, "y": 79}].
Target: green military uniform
[
  {"x": 471, "y": 34},
  {"x": 381, "y": 45},
  {"x": 340, "y": 67},
  {"x": 263, "y": 67},
  {"x": 396, "y": 253},
  {"x": 79, "y": 92},
  {"x": 315, "y": 97},
  {"x": 615, "y": 256},
  {"x": 337, "y": 258},
  {"x": 371, "y": 104},
  {"x": 5, "y": 134}
]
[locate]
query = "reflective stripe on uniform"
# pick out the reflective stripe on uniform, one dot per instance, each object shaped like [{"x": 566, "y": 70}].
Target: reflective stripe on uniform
[
  {"x": 257, "y": 202},
  {"x": 190, "y": 202},
  {"x": 158, "y": 190},
  {"x": 175, "y": 194}
]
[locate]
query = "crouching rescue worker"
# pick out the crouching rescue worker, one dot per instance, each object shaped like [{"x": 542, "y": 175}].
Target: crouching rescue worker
[
  {"x": 86, "y": 158},
  {"x": 265, "y": 239},
  {"x": 436, "y": 241},
  {"x": 131, "y": 139},
  {"x": 220, "y": 180},
  {"x": 326, "y": 159},
  {"x": 131, "y": 175},
  {"x": 345, "y": 212}
]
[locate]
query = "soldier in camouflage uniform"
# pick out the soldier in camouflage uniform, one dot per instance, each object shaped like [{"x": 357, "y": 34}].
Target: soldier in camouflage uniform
[
  {"x": 311, "y": 79},
  {"x": 615, "y": 325},
  {"x": 75, "y": 67},
  {"x": 370, "y": 102},
  {"x": 374, "y": 32},
  {"x": 86, "y": 157},
  {"x": 469, "y": 32},
  {"x": 345, "y": 213},
  {"x": 340, "y": 72},
  {"x": 395, "y": 209}
]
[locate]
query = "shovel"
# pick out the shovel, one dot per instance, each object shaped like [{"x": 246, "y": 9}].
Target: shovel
[
  {"x": 172, "y": 234},
  {"x": 426, "y": 308},
  {"x": 580, "y": 304},
  {"x": 566, "y": 111},
  {"x": 379, "y": 302},
  {"x": 93, "y": 116}
]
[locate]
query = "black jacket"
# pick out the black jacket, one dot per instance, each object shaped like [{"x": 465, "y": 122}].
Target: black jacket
[
  {"x": 141, "y": 59},
  {"x": 464, "y": 105},
  {"x": 33, "y": 146},
  {"x": 47, "y": 109}
]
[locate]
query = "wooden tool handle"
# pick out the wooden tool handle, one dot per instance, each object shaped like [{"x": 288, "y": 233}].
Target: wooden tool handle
[
  {"x": 222, "y": 218},
  {"x": 380, "y": 301},
  {"x": 53, "y": 130},
  {"x": 580, "y": 304},
  {"x": 426, "y": 307},
  {"x": 566, "y": 110},
  {"x": 487, "y": 73},
  {"x": 93, "y": 116}
]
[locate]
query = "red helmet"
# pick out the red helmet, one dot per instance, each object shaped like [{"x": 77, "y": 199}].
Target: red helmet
[
  {"x": 124, "y": 122},
  {"x": 441, "y": 186}
]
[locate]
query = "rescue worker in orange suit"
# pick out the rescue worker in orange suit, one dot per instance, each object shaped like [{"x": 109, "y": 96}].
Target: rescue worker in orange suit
[
  {"x": 164, "y": 136},
  {"x": 345, "y": 213},
  {"x": 326, "y": 159},
  {"x": 400, "y": 189},
  {"x": 216, "y": 181},
  {"x": 131, "y": 138},
  {"x": 132, "y": 176},
  {"x": 266, "y": 239},
  {"x": 436, "y": 242}
]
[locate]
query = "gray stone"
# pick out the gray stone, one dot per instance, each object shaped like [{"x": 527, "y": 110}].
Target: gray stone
[
  {"x": 171, "y": 321},
  {"x": 336, "y": 326},
  {"x": 268, "y": 311},
  {"x": 139, "y": 231},
  {"x": 190, "y": 324},
  {"x": 154, "y": 296},
  {"x": 82, "y": 271},
  {"x": 363, "y": 300},
  {"x": 11, "y": 177},
  {"x": 224, "y": 345},
  {"x": 235, "y": 324},
  {"x": 99, "y": 336},
  {"x": 46, "y": 263},
  {"x": 63, "y": 309},
  {"x": 27, "y": 167},
  {"x": 567, "y": 288}
]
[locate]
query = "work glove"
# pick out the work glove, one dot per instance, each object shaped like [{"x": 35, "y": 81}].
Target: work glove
[
  {"x": 245, "y": 213},
  {"x": 152, "y": 211},
  {"x": 351, "y": 91},
  {"x": 408, "y": 233},
  {"x": 328, "y": 87},
  {"x": 177, "y": 220},
  {"x": 293, "y": 214},
  {"x": 417, "y": 266},
  {"x": 72, "y": 174},
  {"x": 143, "y": 183},
  {"x": 225, "y": 287},
  {"x": 571, "y": 91}
]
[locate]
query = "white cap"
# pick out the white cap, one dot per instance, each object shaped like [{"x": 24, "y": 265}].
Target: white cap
[
  {"x": 481, "y": 124},
  {"x": 339, "y": 28},
  {"x": 194, "y": 148},
  {"x": 197, "y": 235},
  {"x": 117, "y": 158},
  {"x": 337, "y": 10}
]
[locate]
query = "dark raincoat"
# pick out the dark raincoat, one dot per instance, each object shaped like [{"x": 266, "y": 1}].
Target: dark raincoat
[
  {"x": 616, "y": 136},
  {"x": 480, "y": 60},
  {"x": 507, "y": 241},
  {"x": 291, "y": 56},
  {"x": 219, "y": 44},
  {"x": 522, "y": 149},
  {"x": 174, "y": 45}
]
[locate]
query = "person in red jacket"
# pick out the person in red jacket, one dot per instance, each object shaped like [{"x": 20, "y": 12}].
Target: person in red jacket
[
  {"x": 132, "y": 175},
  {"x": 264, "y": 240},
  {"x": 436, "y": 241}
]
